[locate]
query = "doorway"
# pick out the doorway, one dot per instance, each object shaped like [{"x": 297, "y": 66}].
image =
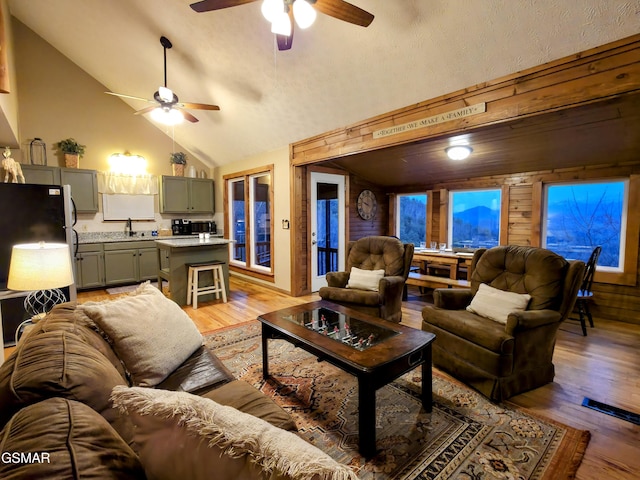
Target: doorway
[{"x": 327, "y": 226}]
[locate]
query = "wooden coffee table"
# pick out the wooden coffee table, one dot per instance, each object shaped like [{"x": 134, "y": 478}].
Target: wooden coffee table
[{"x": 374, "y": 350}]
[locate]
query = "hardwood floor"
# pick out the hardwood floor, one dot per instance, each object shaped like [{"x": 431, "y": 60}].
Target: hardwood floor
[{"x": 604, "y": 366}]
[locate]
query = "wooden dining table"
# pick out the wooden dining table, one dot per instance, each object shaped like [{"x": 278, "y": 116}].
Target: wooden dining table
[{"x": 450, "y": 259}]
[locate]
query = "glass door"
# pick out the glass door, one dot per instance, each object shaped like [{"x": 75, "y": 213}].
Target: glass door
[{"x": 327, "y": 226}]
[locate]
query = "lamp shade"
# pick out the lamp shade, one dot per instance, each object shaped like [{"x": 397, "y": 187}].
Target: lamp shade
[{"x": 40, "y": 266}]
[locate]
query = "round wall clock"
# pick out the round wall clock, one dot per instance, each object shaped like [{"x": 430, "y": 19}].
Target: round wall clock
[{"x": 367, "y": 204}]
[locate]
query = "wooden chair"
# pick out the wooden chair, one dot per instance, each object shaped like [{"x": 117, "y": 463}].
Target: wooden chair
[{"x": 585, "y": 294}]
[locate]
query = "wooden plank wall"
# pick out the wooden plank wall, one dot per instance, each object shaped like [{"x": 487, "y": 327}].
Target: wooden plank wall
[
  {"x": 599, "y": 73},
  {"x": 520, "y": 213},
  {"x": 378, "y": 225},
  {"x": 611, "y": 301}
]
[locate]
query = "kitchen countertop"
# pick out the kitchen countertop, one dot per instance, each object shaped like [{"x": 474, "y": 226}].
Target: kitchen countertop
[
  {"x": 190, "y": 242},
  {"x": 107, "y": 237}
]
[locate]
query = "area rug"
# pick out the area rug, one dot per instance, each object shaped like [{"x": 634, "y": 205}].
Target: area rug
[{"x": 465, "y": 437}]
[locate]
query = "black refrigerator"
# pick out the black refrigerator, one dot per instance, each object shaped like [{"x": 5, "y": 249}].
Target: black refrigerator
[{"x": 28, "y": 214}]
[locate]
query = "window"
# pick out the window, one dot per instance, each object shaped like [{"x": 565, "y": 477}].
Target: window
[
  {"x": 580, "y": 216},
  {"x": 249, "y": 214},
  {"x": 411, "y": 221},
  {"x": 474, "y": 218}
]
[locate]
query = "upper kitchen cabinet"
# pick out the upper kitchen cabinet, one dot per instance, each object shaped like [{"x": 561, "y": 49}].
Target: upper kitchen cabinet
[
  {"x": 84, "y": 183},
  {"x": 186, "y": 195},
  {"x": 84, "y": 188},
  {"x": 41, "y": 175}
]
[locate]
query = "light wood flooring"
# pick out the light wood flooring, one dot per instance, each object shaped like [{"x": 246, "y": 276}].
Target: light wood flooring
[{"x": 604, "y": 366}]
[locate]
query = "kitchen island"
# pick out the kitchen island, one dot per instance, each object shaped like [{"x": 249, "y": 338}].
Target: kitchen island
[{"x": 175, "y": 254}]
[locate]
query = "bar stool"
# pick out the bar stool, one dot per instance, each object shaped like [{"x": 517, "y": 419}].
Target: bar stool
[{"x": 218, "y": 286}]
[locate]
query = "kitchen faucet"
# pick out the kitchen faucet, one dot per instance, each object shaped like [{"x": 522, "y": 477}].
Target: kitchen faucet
[{"x": 128, "y": 228}]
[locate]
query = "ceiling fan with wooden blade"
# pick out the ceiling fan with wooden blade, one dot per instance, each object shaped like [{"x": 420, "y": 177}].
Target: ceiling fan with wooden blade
[
  {"x": 295, "y": 10},
  {"x": 166, "y": 107}
]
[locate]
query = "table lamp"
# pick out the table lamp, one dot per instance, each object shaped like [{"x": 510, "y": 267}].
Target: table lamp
[{"x": 41, "y": 268}]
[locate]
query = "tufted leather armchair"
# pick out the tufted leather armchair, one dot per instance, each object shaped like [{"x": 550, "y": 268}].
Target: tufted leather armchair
[
  {"x": 496, "y": 359},
  {"x": 373, "y": 253}
]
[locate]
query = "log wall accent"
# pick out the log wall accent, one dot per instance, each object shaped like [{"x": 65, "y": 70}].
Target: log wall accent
[
  {"x": 583, "y": 78},
  {"x": 613, "y": 299},
  {"x": 602, "y": 73}
]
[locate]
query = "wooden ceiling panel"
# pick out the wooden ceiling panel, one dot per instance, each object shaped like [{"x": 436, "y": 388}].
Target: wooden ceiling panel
[{"x": 600, "y": 133}]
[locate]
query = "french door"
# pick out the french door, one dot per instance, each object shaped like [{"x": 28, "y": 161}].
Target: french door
[{"x": 327, "y": 226}]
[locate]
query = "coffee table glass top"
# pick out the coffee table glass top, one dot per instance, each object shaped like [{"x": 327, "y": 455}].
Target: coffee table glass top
[{"x": 342, "y": 328}]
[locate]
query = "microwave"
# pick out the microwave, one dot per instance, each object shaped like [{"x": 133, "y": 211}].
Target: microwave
[{"x": 203, "y": 227}]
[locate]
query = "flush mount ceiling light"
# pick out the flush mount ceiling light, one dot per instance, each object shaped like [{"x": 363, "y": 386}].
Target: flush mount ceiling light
[{"x": 458, "y": 152}]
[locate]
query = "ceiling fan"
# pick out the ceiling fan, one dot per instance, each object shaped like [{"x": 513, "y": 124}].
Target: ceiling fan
[
  {"x": 167, "y": 108},
  {"x": 282, "y": 13}
]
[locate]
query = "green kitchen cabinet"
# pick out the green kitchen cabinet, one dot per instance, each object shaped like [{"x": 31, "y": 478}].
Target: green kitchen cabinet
[
  {"x": 84, "y": 188},
  {"x": 89, "y": 266},
  {"x": 186, "y": 195},
  {"x": 130, "y": 262},
  {"x": 147, "y": 263},
  {"x": 41, "y": 174},
  {"x": 84, "y": 183}
]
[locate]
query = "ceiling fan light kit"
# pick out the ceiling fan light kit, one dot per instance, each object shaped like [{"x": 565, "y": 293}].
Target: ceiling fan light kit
[
  {"x": 271, "y": 8},
  {"x": 304, "y": 13},
  {"x": 281, "y": 13},
  {"x": 281, "y": 24},
  {"x": 167, "y": 116},
  {"x": 167, "y": 110}
]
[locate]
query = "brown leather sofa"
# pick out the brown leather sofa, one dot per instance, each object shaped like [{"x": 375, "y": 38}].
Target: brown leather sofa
[
  {"x": 373, "y": 253},
  {"x": 503, "y": 359},
  {"x": 55, "y": 393}
]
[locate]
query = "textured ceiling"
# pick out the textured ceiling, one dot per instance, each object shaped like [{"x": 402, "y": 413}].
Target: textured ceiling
[{"x": 335, "y": 74}]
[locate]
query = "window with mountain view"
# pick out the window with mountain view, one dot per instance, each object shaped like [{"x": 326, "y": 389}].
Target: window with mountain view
[
  {"x": 474, "y": 218},
  {"x": 580, "y": 216},
  {"x": 411, "y": 223}
]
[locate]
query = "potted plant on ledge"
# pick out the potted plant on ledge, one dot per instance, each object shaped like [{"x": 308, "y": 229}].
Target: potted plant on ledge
[
  {"x": 178, "y": 161},
  {"x": 72, "y": 152}
]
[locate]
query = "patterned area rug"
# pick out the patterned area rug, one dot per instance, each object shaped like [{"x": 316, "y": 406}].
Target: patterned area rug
[{"x": 465, "y": 437}]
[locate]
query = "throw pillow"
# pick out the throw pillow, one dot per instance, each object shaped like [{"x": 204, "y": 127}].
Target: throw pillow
[
  {"x": 497, "y": 304},
  {"x": 180, "y": 435},
  {"x": 365, "y": 279},
  {"x": 61, "y": 438},
  {"x": 151, "y": 334}
]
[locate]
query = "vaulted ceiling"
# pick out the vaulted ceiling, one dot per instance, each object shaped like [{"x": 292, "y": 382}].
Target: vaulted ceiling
[{"x": 336, "y": 73}]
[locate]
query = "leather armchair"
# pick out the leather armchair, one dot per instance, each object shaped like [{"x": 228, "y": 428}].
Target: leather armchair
[
  {"x": 502, "y": 360},
  {"x": 373, "y": 253}
]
